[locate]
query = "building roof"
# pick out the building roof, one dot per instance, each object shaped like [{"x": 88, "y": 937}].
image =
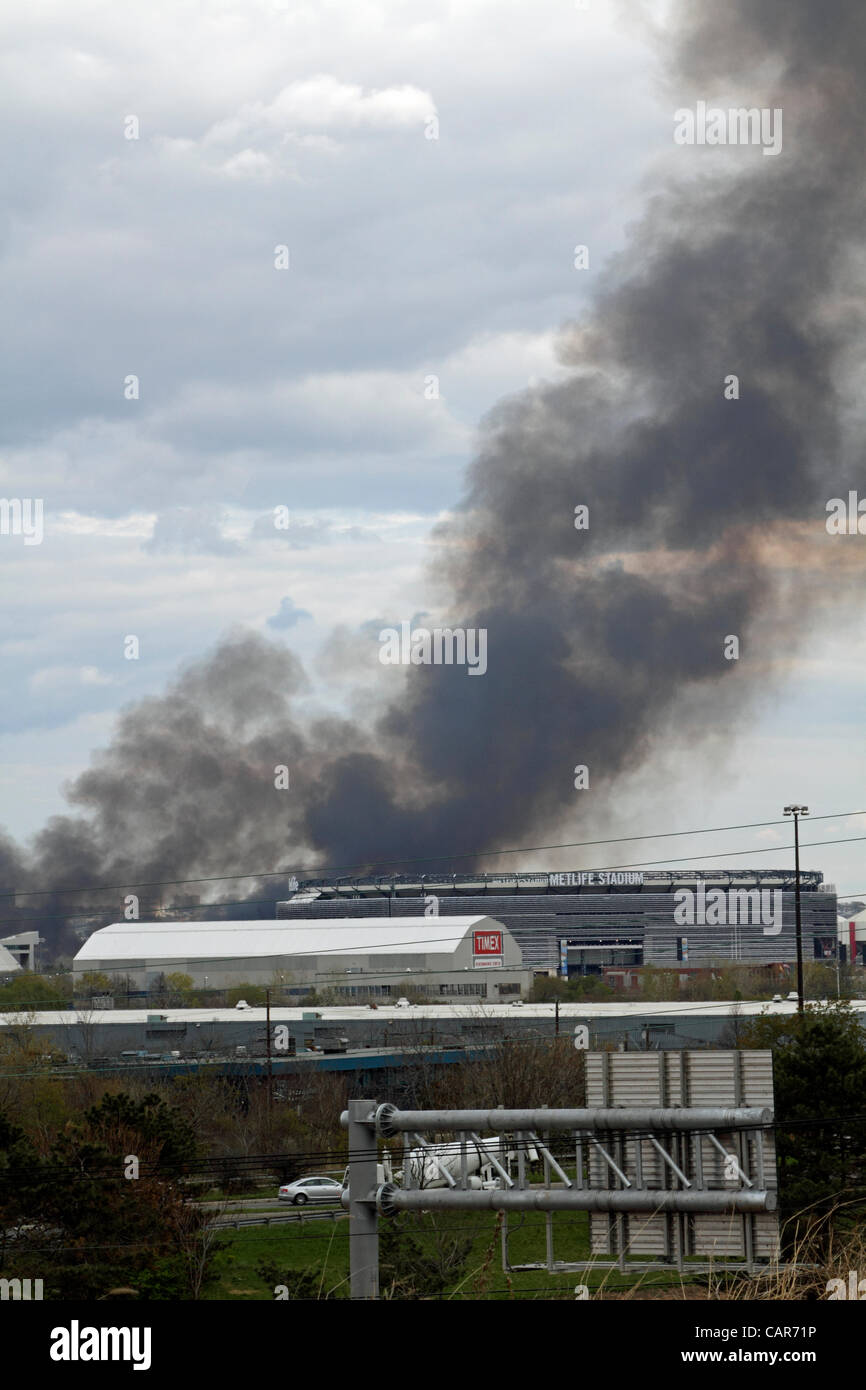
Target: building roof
[
  {"x": 571, "y": 881},
  {"x": 859, "y": 921},
  {"x": 476, "y": 1012},
  {"x": 188, "y": 941}
]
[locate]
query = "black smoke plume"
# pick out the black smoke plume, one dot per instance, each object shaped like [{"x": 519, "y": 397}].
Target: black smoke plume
[{"x": 706, "y": 519}]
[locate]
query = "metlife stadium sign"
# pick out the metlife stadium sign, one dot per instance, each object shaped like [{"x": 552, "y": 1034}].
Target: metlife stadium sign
[{"x": 597, "y": 878}]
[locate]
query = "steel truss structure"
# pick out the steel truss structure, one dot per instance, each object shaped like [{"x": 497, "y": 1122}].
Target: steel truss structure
[{"x": 649, "y": 1176}]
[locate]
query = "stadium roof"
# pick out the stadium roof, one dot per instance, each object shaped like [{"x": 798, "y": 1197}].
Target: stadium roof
[
  {"x": 614, "y": 880},
  {"x": 187, "y": 941}
]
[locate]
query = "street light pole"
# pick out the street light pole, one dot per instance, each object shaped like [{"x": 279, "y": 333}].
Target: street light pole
[
  {"x": 797, "y": 812},
  {"x": 270, "y": 1064}
]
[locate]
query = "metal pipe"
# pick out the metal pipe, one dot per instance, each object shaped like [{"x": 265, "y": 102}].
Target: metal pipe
[
  {"x": 609, "y": 1161},
  {"x": 550, "y": 1161},
  {"x": 667, "y": 1158},
  {"x": 482, "y": 1149},
  {"x": 443, "y": 1172},
  {"x": 726, "y": 1153},
  {"x": 392, "y": 1199},
  {"x": 390, "y": 1121}
]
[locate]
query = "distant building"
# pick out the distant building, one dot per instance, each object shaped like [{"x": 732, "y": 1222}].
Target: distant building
[
  {"x": 592, "y": 922},
  {"x": 8, "y": 963},
  {"x": 852, "y": 938},
  {"x": 22, "y": 949},
  {"x": 454, "y": 957}
]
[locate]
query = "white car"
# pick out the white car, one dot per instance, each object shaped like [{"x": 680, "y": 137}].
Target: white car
[{"x": 311, "y": 1190}]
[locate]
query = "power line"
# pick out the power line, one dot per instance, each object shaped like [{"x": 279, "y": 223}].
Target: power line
[
  {"x": 216, "y": 1164},
  {"x": 330, "y": 870},
  {"x": 281, "y": 924}
]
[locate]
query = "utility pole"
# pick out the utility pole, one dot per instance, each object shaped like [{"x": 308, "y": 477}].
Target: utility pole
[
  {"x": 268, "y": 1041},
  {"x": 797, "y": 812}
]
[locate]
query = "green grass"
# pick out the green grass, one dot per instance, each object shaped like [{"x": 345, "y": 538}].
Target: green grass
[
  {"x": 290, "y": 1245},
  {"x": 324, "y": 1246}
]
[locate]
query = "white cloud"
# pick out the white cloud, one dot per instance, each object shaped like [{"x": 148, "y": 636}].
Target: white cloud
[
  {"x": 324, "y": 103},
  {"x": 247, "y": 164},
  {"x": 770, "y": 836},
  {"x": 56, "y": 678}
]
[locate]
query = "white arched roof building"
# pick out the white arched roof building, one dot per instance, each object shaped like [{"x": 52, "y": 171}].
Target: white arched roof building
[{"x": 444, "y": 955}]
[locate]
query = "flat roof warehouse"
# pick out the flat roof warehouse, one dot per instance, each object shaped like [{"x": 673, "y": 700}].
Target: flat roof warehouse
[{"x": 239, "y": 1033}]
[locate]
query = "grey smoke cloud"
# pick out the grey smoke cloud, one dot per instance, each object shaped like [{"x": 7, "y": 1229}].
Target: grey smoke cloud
[{"x": 699, "y": 511}]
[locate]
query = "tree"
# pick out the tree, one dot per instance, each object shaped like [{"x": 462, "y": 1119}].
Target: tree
[
  {"x": 33, "y": 992},
  {"x": 118, "y": 1120},
  {"x": 513, "y": 1072},
  {"x": 819, "y": 1067},
  {"x": 122, "y": 986},
  {"x": 410, "y": 1269},
  {"x": 547, "y": 989},
  {"x": 91, "y": 1219},
  {"x": 92, "y": 982},
  {"x": 199, "y": 1243},
  {"x": 179, "y": 989},
  {"x": 255, "y": 995}
]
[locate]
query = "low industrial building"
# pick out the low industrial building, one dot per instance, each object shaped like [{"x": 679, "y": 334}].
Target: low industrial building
[
  {"x": 457, "y": 957},
  {"x": 132, "y": 1037}
]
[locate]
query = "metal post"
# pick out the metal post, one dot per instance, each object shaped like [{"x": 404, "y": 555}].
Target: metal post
[
  {"x": 270, "y": 1067},
  {"x": 360, "y": 1120},
  {"x": 797, "y": 812},
  {"x": 548, "y": 1215},
  {"x": 797, "y": 913}
]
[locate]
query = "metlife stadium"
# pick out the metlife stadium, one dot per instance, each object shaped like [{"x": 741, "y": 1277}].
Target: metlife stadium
[{"x": 583, "y": 922}]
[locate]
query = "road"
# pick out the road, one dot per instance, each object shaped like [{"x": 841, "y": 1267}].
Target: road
[{"x": 269, "y": 1211}]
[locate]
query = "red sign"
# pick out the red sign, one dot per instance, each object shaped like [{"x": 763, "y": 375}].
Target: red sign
[{"x": 488, "y": 943}]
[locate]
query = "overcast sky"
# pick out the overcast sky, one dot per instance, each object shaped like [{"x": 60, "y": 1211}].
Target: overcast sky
[{"x": 430, "y": 170}]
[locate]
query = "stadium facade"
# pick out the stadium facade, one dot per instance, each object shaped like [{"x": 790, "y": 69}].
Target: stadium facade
[{"x": 607, "y": 922}]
